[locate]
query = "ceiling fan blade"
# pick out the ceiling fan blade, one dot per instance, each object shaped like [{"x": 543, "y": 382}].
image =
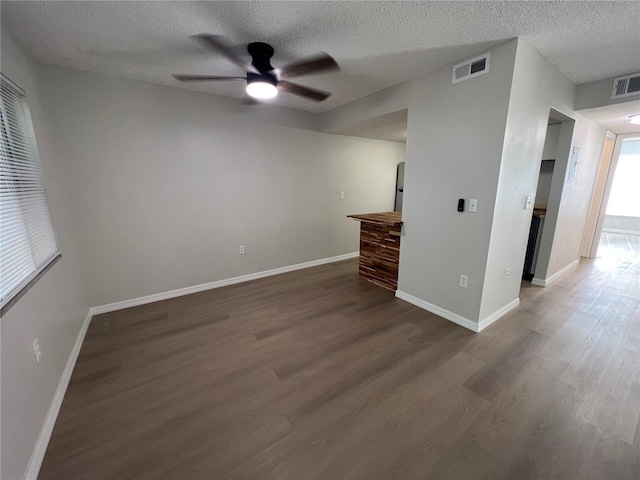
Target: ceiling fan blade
[
  {"x": 219, "y": 44},
  {"x": 310, "y": 93},
  {"x": 201, "y": 78},
  {"x": 315, "y": 64}
]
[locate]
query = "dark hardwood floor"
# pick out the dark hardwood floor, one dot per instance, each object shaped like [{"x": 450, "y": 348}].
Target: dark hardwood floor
[{"x": 318, "y": 374}]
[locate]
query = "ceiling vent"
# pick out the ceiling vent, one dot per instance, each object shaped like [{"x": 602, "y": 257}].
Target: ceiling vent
[
  {"x": 626, "y": 86},
  {"x": 470, "y": 68}
]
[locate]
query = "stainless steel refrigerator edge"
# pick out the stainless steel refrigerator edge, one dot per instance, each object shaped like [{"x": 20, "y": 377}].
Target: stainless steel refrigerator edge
[{"x": 399, "y": 187}]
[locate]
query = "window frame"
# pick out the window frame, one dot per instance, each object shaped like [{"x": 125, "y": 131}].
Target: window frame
[{"x": 38, "y": 271}]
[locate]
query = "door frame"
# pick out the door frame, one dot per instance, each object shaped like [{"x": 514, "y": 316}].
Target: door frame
[
  {"x": 615, "y": 156},
  {"x": 591, "y": 226}
]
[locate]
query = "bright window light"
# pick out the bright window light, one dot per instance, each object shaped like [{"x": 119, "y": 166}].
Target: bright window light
[
  {"x": 635, "y": 118},
  {"x": 261, "y": 90}
]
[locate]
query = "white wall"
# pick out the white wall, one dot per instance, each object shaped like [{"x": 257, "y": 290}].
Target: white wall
[
  {"x": 165, "y": 184},
  {"x": 52, "y": 310},
  {"x": 546, "y": 167},
  {"x": 551, "y": 142},
  {"x": 537, "y": 86},
  {"x": 544, "y": 183},
  {"x": 454, "y": 146},
  {"x": 621, "y": 224}
]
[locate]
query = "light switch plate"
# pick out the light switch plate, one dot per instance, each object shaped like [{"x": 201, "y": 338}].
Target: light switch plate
[
  {"x": 36, "y": 350},
  {"x": 473, "y": 205},
  {"x": 528, "y": 202}
]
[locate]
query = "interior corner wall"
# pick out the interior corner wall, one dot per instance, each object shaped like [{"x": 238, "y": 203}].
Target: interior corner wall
[
  {"x": 454, "y": 147},
  {"x": 165, "y": 184},
  {"x": 537, "y": 87},
  {"x": 52, "y": 310},
  {"x": 374, "y": 105}
]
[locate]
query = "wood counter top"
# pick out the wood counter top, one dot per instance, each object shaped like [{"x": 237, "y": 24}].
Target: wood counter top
[
  {"x": 385, "y": 218},
  {"x": 539, "y": 211}
]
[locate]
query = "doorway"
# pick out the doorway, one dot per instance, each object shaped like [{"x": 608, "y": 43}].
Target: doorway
[
  {"x": 542, "y": 197},
  {"x": 555, "y": 171},
  {"x": 617, "y": 236}
]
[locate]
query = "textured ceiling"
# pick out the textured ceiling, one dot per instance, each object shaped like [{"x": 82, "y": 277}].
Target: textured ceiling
[
  {"x": 377, "y": 44},
  {"x": 615, "y": 117}
]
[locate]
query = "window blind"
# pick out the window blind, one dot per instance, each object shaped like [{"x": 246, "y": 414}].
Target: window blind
[{"x": 27, "y": 239}]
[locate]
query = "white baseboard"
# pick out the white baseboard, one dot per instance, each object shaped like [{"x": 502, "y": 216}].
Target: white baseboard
[
  {"x": 430, "y": 307},
  {"x": 454, "y": 317},
  {"x": 501, "y": 312},
  {"x": 545, "y": 282},
  {"x": 156, "y": 297},
  {"x": 35, "y": 462}
]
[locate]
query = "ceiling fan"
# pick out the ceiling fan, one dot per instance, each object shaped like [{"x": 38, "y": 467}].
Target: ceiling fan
[{"x": 264, "y": 81}]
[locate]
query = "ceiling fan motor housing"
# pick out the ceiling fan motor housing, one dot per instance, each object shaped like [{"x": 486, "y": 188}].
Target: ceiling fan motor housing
[
  {"x": 261, "y": 54},
  {"x": 262, "y": 77}
]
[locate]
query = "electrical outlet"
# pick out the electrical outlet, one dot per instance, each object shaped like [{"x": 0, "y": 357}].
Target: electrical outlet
[
  {"x": 463, "y": 281},
  {"x": 506, "y": 274},
  {"x": 241, "y": 249},
  {"x": 36, "y": 350},
  {"x": 341, "y": 194}
]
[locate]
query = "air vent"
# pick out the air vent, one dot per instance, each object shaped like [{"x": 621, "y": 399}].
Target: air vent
[
  {"x": 626, "y": 86},
  {"x": 470, "y": 68}
]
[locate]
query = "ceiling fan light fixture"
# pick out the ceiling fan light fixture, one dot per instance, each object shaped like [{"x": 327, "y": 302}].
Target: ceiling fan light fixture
[
  {"x": 635, "y": 118},
  {"x": 263, "y": 81},
  {"x": 261, "y": 88}
]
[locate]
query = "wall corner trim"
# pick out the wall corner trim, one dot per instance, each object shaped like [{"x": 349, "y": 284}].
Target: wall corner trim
[
  {"x": 545, "y": 282},
  {"x": 156, "y": 297},
  {"x": 447, "y": 314},
  {"x": 501, "y": 312},
  {"x": 40, "y": 448}
]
